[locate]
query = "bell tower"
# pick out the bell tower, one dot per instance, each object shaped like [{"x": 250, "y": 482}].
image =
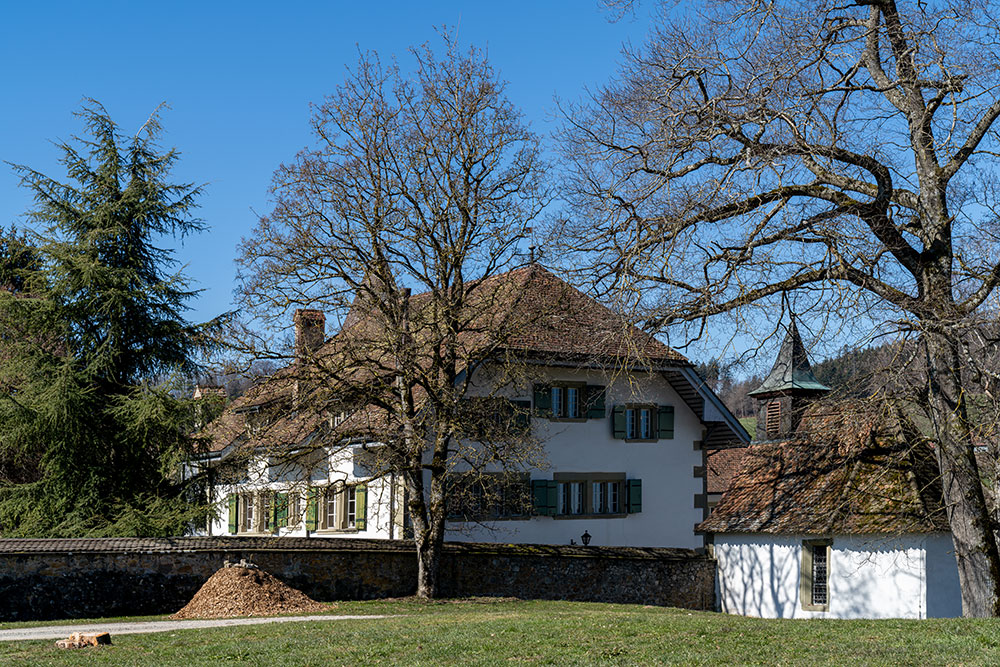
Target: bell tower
[{"x": 787, "y": 391}]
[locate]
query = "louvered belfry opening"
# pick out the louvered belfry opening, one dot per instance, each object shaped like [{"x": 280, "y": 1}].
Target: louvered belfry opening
[
  {"x": 773, "y": 419},
  {"x": 787, "y": 391}
]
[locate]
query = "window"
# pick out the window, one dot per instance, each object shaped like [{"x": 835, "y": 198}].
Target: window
[
  {"x": 475, "y": 496},
  {"x": 606, "y": 497},
  {"x": 342, "y": 508},
  {"x": 638, "y": 423},
  {"x": 571, "y": 497},
  {"x": 565, "y": 400},
  {"x": 570, "y": 400},
  {"x": 248, "y": 506},
  {"x": 294, "y": 509},
  {"x": 267, "y": 511},
  {"x": 589, "y": 494},
  {"x": 643, "y": 423},
  {"x": 495, "y": 419},
  {"x": 330, "y": 501},
  {"x": 258, "y": 511},
  {"x": 350, "y": 507},
  {"x": 814, "y": 589}
]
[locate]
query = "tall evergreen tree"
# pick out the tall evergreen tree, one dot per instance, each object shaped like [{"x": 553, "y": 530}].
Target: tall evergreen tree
[{"x": 82, "y": 392}]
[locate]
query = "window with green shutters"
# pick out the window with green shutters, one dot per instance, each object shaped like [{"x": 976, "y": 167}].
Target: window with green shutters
[
  {"x": 338, "y": 508},
  {"x": 486, "y": 496},
  {"x": 587, "y": 495},
  {"x": 491, "y": 418},
  {"x": 571, "y": 401},
  {"x": 642, "y": 423}
]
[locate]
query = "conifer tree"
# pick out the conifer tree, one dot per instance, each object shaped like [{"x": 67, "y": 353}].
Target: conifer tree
[{"x": 84, "y": 407}]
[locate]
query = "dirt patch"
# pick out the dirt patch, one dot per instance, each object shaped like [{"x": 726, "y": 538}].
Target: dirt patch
[{"x": 247, "y": 591}]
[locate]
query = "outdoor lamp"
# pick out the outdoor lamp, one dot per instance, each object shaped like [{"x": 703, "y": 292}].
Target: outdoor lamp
[{"x": 585, "y": 538}]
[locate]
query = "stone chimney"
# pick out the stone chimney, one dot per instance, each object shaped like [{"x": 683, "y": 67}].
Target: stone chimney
[{"x": 310, "y": 332}]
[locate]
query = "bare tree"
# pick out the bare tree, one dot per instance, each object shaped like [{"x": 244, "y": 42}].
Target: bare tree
[
  {"x": 841, "y": 152},
  {"x": 423, "y": 181}
]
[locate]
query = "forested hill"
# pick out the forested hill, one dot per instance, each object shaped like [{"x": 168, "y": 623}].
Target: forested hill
[{"x": 852, "y": 372}]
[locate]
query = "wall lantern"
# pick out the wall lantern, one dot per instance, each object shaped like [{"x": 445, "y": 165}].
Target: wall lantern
[{"x": 585, "y": 538}]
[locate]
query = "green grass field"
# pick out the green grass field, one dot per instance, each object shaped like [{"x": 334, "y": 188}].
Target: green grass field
[{"x": 489, "y": 633}]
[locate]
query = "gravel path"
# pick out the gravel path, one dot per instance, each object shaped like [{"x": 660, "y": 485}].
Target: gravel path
[{"x": 142, "y": 627}]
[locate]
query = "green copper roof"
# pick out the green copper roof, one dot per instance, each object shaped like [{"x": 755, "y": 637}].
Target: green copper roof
[{"x": 791, "y": 369}]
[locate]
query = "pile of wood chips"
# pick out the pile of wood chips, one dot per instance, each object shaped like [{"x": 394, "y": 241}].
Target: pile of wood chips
[{"x": 247, "y": 591}]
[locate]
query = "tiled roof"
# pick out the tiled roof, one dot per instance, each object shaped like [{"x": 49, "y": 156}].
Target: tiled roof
[
  {"x": 564, "y": 322},
  {"x": 528, "y": 312},
  {"x": 853, "y": 469},
  {"x": 721, "y": 466}
]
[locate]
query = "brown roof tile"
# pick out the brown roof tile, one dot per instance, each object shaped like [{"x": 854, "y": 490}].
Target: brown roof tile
[
  {"x": 530, "y": 311},
  {"x": 853, "y": 469},
  {"x": 722, "y": 466}
]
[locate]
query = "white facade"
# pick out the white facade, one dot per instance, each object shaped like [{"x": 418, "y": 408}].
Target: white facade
[
  {"x": 870, "y": 576},
  {"x": 665, "y": 468},
  {"x": 584, "y": 449}
]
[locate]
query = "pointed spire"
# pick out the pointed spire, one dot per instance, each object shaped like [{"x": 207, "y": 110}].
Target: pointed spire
[{"x": 791, "y": 371}]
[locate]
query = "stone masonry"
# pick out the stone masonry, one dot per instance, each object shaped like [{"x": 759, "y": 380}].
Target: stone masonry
[{"x": 79, "y": 578}]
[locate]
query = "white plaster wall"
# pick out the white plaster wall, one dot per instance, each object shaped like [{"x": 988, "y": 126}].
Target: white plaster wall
[
  {"x": 871, "y": 576},
  {"x": 665, "y": 467},
  {"x": 341, "y": 466}
]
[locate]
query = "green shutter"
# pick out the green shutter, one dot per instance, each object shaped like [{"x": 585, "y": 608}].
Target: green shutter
[
  {"x": 543, "y": 400},
  {"x": 595, "y": 402},
  {"x": 312, "y": 509},
  {"x": 634, "y": 496},
  {"x": 522, "y": 416},
  {"x": 360, "y": 506},
  {"x": 553, "y": 496},
  {"x": 280, "y": 510},
  {"x": 234, "y": 512},
  {"x": 618, "y": 422},
  {"x": 543, "y": 495},
  {"x": 666, "y": 422}
]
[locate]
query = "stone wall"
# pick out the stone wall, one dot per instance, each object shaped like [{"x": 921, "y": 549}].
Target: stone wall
[{"x": 50, "y": 579}]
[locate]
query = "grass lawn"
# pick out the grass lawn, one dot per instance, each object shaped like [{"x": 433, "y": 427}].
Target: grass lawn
[{"x": 476, "y": 632}]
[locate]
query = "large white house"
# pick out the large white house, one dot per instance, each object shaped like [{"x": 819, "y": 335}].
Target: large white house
[
  {"x": 835, "y": 511},
  {"x": 626, "y": 426}
]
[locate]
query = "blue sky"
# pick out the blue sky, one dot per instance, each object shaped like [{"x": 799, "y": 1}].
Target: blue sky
[{"x": 239, "y": 77}]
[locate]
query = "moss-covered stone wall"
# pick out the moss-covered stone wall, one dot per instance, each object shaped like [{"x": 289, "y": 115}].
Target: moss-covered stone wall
[{"x": 51, "y": 579}]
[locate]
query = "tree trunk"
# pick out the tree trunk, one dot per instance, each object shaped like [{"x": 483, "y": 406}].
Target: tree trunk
[
  {"x": 968, "y": 514},
  {"x": 428, "y": 535},
  {"x": 428, "y": 566}
]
